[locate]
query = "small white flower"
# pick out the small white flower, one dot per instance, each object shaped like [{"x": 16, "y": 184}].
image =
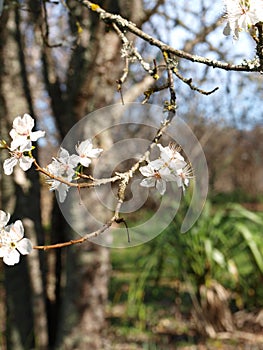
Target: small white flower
[
  {"x": 68, "y": 162},
  {"x": 62, "y": 167},
  {"x": 157, "y": 174},
  {"x": 171, "y": 157},
  {"x": 12, "y": 243},
  {"x": 241, "y": 15},
  {"x": 86, "y": 151},
  {"x": 60, "y": 187},
  {"x": 22, "y": 131},
  {"x": 17, "y": 156},
  {"x": 183, "y": 176},
  {"x": 64, "y": 164},
  {"x": 57, "y": 169},
  {"x": 171, "y": 166}
]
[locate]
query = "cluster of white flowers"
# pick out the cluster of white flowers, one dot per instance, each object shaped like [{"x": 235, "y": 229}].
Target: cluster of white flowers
[
  {"x": 12, "y": 243},
  {"x": 65, "y": 166},
  {"x": 21, "y": 145},
  {"x": 242, "y": 15},
  {"x": 170, "y": 166}
]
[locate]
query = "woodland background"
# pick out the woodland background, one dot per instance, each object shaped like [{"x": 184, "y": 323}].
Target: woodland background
[{"x": 58, "y": 62}]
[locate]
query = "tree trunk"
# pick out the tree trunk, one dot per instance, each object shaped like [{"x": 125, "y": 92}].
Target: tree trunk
[
  {"x": 20, "y": 195},
  {"x": 96, "y": 65}
]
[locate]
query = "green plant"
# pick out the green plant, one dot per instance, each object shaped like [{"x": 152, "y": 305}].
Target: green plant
[{"x": 225, "y": 245}]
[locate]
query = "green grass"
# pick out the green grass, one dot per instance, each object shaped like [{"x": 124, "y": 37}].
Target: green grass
[
  {"x": 138, "y": 321},
  {"x": 150, "y": 287}
]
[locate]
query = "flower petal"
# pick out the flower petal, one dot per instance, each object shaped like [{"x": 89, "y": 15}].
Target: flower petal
[
  {"x": 73, "y": 160},
  {"x": 62, "y": 192},
  {"x": 28, "y": 121},
  {"x": 157, "y": 164},
  {"x": 13, "y": 134},
  {"x": 12, "y": 257},
  {"x": 84, "y": 147},
  {"x": 94, "y": 153},
  {"x": 23, "y": 125},
  {"x": 9, "y": 165},
  {"x": 35, "y": 135},
  {"x": 85, "y": 150},
  {"x": 19, "y": 141},
  {"x": 26, "y": 162},
  {"x": 55, "y": 168},
  {"x": 148, "y": 182},
  {"x": 164, "y": 171},
  {"x": 63, "y": 154},
  {"x": 26, "y": 146},
  {"x": 16, "y": 231},
  {"x": 186, "y": 182},
  {"x": 25, "y": 246},
  {"x": 176, "y": 164},
  {"x": 84, "y": 161},
  {"x": 4, "y": 218},
  {"x": 161, "y": 186},
  {"x": 169, "y": 177},
  {"x": 147, "y": 170}
]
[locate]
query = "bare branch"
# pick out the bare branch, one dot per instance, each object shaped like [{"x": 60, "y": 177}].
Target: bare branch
[
  {"x": 125, "y": 25},
  {"x": 94, "y": 183},
  {"x": 148, "y": 93},
  {"x": 80, "y": 240},
  {"x": 192, "y": 86}
]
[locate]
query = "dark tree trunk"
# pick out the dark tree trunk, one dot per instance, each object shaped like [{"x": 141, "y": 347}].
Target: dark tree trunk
[{"x": 20, "y": 195}]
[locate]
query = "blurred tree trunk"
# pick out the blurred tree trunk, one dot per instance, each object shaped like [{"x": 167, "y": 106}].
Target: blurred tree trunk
[
  {"x": 4, "y": 187},
  {"x": 20, "y": 195}
]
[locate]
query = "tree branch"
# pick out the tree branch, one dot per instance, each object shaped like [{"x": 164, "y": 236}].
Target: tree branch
[{"x": 125, "y": 25}]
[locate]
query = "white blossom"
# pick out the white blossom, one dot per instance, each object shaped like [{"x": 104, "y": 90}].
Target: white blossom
[
  {"x": 157, "y": 174},
  {"x": 12, "y": 243},
  {"x": 60, "y": 187},
  {"x": 57, "y": 168},
  {"x": 170, "y": 166},
  {"x": 68, "y": 162},
  {"x": 22, "y": 131},
  {"x": 183, "y": 176},
  {"x": 241, "y": 15},
  {"x": 86, "y": 151},
  {"x": 172, "y": 158},
  {"x": 18, "y": 156},
  {"x": 62, "y": 167}
]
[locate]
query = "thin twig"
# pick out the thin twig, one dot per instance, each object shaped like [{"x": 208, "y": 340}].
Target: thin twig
[
  {"x": 170, "y": 107},
  {"x": 132, "y": 53},
  {"x": 148, "y": 93},
  {"x": 94, "y": 183},
  {"x": 189, "y": 82},
  {"x": 77, "y": 241}
]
